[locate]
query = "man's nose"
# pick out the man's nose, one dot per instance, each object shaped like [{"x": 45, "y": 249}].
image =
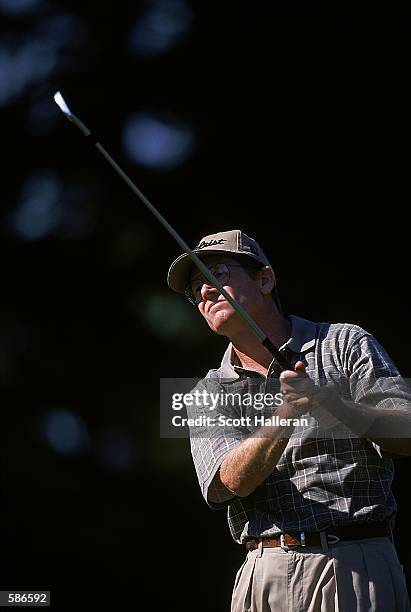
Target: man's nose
[{"x": 207, "y": 292}]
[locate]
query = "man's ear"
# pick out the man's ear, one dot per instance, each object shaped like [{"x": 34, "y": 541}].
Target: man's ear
[{"x": 266, "y": 280}]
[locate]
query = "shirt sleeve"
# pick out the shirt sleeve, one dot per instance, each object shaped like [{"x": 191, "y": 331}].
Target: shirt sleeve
[
  {"x": 374, "y": 378},
  {"x": 212, "y": 436}
]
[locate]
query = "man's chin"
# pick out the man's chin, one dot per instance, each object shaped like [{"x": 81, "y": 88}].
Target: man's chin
[{"x": 220, "y": 321}]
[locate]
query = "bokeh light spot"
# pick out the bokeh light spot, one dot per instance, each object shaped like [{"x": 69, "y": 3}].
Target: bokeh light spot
[
  {"x": 45, "y": 208},
  {"x": 65, "y": 432},
  {"x": 170, "y": 317},
  {"x": 162, "y": 25},
  {"x": 39, "y": 210},
  {"x": 21, "y": 67},
  {"x": 157, "y": 143}
]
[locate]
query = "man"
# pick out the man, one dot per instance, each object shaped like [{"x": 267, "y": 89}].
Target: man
[{"x": 312, "y": 504}]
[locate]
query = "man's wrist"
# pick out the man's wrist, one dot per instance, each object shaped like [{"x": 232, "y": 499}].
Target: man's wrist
[{"x": 329, "y": 404}]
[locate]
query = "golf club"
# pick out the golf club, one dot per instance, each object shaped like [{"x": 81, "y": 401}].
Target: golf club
[{"x": 59, "y": 100}]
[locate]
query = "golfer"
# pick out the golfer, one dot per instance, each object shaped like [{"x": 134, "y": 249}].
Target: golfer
[{"x": 308, "y": 493}]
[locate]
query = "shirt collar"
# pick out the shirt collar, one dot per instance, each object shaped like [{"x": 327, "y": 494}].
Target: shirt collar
[
  {"x": 302, "y": 339},
  {"x": 303, "y": 335}
]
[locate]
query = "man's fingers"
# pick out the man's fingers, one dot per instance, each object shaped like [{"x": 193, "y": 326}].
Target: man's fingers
[
  {"x": 297, "y": 383},
  {"x": 294, "y": 381},
  {"x": 300, "y": 367},
  {"x": 299, "y": 387},
  {"x": 298, "y": 372}
]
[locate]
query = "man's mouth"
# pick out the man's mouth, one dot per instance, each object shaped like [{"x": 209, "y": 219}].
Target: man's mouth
[{"x": 215, "y": 304}]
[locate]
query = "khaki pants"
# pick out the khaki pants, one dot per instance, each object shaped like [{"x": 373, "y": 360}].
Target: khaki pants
[{"x": 355, "y": 576}]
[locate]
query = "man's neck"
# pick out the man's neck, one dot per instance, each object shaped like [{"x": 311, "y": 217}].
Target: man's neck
[{"x": 252, "y": 354}]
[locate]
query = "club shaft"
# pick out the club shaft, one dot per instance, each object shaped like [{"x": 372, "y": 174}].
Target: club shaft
[
  {"x": 265, "y": 341},
  {"x": 196, "y": 260},
  {"x": 203, "y": 268}
]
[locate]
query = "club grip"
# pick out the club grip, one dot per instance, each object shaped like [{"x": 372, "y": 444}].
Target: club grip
[{"x": 286, "y": 365}]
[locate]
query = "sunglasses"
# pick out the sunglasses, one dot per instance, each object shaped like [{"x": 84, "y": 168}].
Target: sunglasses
[{"x": 222, "y": 273}]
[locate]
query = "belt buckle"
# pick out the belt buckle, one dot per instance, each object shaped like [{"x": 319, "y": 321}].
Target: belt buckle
[{"x": 284, "y": 546}]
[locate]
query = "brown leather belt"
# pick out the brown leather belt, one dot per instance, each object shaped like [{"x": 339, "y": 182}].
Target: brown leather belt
[{"x": 333, "y": 535}]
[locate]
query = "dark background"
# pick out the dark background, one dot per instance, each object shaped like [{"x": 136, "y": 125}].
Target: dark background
[{"x": 298, "y": 137}]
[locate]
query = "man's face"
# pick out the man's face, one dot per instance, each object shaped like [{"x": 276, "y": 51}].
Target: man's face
[{"x": 219, "y": 314}]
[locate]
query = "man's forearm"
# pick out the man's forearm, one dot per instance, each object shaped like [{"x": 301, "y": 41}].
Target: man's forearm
[
  {"x": 390, "y": 428},
  {"x": 249, "y": 463}
]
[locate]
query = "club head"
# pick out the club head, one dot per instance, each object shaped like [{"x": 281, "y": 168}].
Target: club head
[{"x": 61, "y": 103}]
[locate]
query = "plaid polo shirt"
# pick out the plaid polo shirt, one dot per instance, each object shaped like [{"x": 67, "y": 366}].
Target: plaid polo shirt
[{"x": 319, "y": 482}]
